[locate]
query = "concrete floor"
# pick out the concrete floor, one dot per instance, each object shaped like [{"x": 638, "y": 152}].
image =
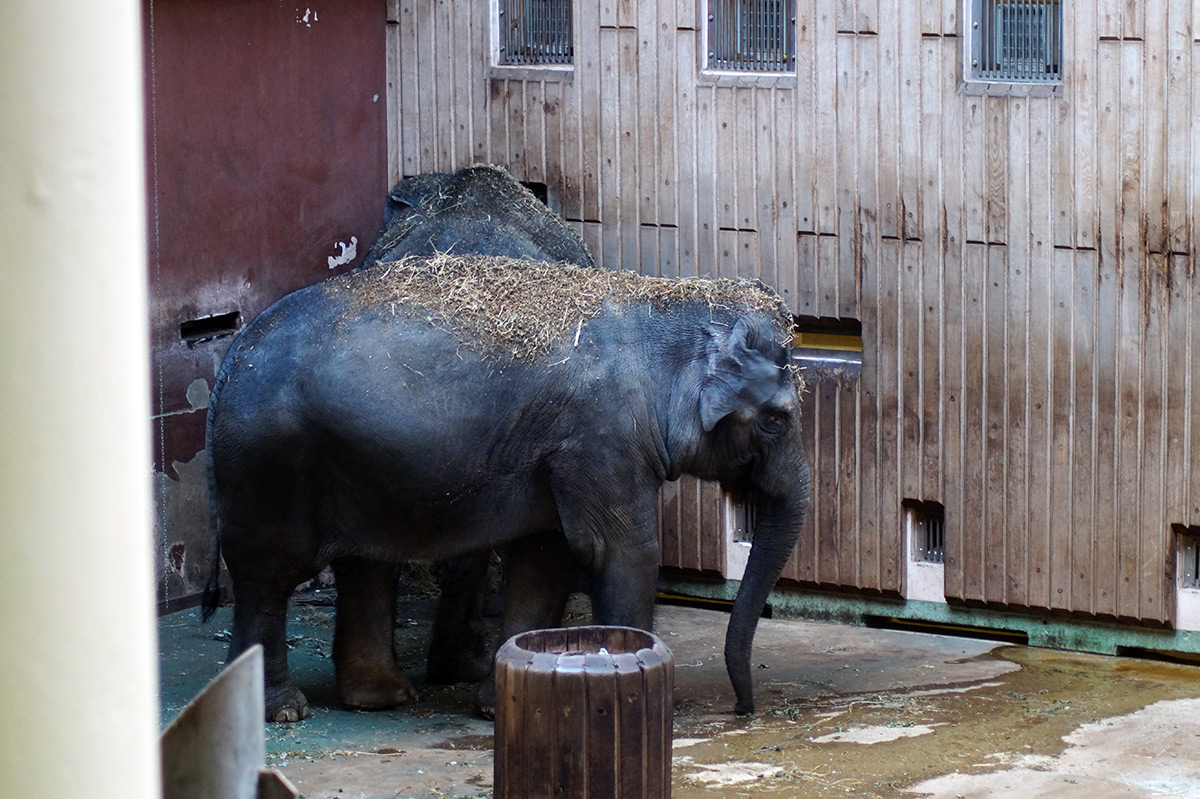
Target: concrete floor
[{"x": 843, "y": 711}]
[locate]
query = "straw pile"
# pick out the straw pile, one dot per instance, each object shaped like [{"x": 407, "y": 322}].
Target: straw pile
[{"x": 526, "y": 307}]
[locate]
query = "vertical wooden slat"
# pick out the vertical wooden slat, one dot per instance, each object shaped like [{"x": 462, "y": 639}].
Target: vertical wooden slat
[
  {"x": 1178, "y": 382},
  {"x": 809, "y": 74},
  {"x": 710, "y": 529},
  {"x": 973, "y": 532},
  {"x": 871, "y": 383},
  {"x": 608, "y": 111},
  {"x": 741, "y": 117},
  {"x": 768, "y": 194},
  {"x": 1156, "y": 603},
  {"x": 663, "y": 37},
  {"x": 828, "y": 139},
  {"x": 888, "y": 401},
  {"x": 706, "y": 181},
  {"x": 443, "y": 92},
  {"x": 953, "y": 406},
  {"x": 686, "y": 150},
  {"x": 668, "y": 524},
  {"x": 588, "y": 71},
  {"x": 784, "y": 230},
  {"x": 1069, "y": 584},
  {"x": 835, "y": 562},
  {"x": 1083, "y": 421},
  {"x": 995, "y": 558},
  {"x": 863, "y": 209},
  {"x": 846, "y": 186},
  {"x": 394, "y": 143},
  {"x": 888, "y": 87},
  {"x": 410, "y": 98},
  {"x": 1104, "y": 360},
  {"x": 997, "y": 170},
  {"x": 628, "y": 218},
  {"x": 1132, "y": 215},
  {"x": 1153, "y": 156},
  {"x": 846, "y": 461},
  {"x": 648, "y": 127},
  {"x": 480, "y": 57},
  {"x": 1180, "y": 113},
  {"x": 973, "y": 143},
  {"x": 1128, "y": 515},
  {"x": 908, "y": 351},
  {"x": 1041, "y": 541},
  {"x": 913, "y": 98},
  {"x": 1014, "y": 525}
]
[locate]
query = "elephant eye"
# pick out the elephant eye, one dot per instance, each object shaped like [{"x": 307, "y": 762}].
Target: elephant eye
[{"x": 773, "y": 422}]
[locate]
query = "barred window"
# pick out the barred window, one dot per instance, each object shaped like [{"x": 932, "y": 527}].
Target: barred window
[
  {"x": 1016, "y": 41},
  {"x": 752, "y": 35},
  {"x": 535, "y": 32}
]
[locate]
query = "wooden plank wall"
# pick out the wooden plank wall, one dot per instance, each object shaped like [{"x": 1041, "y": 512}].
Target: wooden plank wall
[{"x": 1023, "y": 268}]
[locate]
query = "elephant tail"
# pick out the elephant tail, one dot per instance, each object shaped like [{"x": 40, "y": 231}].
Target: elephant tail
[{"x": 210, "y": 600}]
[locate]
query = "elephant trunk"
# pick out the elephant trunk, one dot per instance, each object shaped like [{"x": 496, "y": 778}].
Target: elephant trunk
[{"x": 776, "y": 531}]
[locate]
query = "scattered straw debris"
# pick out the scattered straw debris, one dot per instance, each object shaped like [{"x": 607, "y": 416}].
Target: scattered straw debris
[{"x": 527, "y": 307}]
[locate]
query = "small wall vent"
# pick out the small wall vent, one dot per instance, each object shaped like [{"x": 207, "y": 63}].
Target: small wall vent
[
  {"x": 1187, "y": 544},
  {"x": 926, "y": 522},
  {"x": 213, "y": 326}
]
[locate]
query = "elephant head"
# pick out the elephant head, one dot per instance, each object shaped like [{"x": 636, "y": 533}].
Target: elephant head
[{"x": 748, "y": 412}]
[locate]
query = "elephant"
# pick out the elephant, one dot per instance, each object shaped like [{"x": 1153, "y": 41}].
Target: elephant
[
  {"x": 443, "y": 405},
  {"x": 482, "y": 210}
]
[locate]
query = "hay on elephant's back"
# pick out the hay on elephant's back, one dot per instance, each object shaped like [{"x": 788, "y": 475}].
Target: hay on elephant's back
[{"x": 526, "y": 307}]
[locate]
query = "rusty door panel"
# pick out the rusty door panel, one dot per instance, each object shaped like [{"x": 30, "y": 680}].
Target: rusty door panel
[{"x": 266, "y": 140}]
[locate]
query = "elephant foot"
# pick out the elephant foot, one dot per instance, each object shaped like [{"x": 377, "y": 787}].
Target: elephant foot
[
  {"x": 285, "y": 703},
  {"x": 374, "y": 689},
  {"x": 448, "y": 669},
  {"x": 485, "y": 699}
]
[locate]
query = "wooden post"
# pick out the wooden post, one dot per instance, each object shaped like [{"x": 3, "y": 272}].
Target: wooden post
[{"x": 584, "y": 713}]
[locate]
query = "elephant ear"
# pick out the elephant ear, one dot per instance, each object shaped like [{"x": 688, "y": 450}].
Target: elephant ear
[{"x": 739, "y": 378}]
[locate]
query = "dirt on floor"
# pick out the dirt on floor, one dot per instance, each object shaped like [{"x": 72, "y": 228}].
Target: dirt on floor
[{"x": 842, "y": 711}]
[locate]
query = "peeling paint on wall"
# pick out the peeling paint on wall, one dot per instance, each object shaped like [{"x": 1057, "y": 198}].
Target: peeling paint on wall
[
  {"x": 182, "y": 559},
  {"x": 308, "y": 19},
  {"x": 348, "y": 253},
  {"x": 197, "y": 394}
]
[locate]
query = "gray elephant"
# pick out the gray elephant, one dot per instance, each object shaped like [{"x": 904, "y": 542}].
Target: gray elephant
[
  {"x": 480, "y": 210},
  {"x": 438, "y": 406}
]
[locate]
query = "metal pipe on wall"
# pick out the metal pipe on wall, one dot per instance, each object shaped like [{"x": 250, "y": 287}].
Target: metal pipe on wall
[{"x": 78, "y": 679}]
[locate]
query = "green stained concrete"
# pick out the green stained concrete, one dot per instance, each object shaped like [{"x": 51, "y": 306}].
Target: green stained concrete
[{"x": 1050, "y": 632}]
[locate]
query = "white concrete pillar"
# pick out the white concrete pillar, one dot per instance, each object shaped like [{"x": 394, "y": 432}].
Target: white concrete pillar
[{"x": 78, "y": 680}]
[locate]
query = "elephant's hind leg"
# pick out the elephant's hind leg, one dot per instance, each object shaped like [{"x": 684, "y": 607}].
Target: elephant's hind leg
[
  {"x": 459, "y": 650},
  {"x": 368, "y": 677},
  {"x": 259, "y": 617}
]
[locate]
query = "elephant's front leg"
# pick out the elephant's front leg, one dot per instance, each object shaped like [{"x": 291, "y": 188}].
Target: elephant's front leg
[
  {"x": 612, "y": 523},
  {"x": 625, "y": 584},
  {"x": 368, "y": 676}
]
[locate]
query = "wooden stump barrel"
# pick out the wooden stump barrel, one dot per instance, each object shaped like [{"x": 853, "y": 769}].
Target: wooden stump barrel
[{"x": 584, "y": 712}]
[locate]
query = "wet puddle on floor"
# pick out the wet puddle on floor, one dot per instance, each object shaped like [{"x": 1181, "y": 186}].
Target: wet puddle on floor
[{"x": 879, "y": 744}]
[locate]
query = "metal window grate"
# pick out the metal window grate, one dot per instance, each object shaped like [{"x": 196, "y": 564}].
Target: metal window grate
[
  {"x": 927, "y": 530},
  {"x": 1018, "y": 41},
  {"x": 535, "y": 32},
  {"x": 752, "y": 35}
]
